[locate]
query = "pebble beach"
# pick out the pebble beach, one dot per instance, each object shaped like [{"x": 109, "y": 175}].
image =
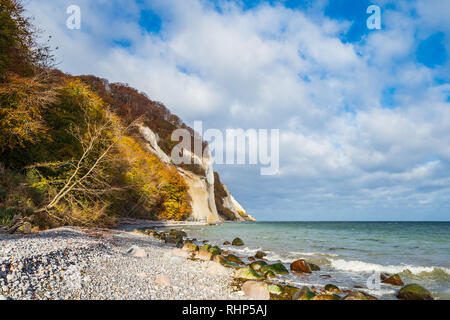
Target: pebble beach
[{"x": 70, "y": 263}]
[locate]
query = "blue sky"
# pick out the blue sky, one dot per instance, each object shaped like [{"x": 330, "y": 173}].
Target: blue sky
[{"x": 364, "y": 115}]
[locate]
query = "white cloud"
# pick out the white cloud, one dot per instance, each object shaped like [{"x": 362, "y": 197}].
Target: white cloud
[{"x": 272, "y": 67}]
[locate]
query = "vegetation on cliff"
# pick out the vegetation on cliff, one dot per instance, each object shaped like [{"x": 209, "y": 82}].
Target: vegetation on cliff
[{"x": 70, "y": 153}]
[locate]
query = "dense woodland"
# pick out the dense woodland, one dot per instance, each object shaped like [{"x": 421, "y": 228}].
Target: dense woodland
[{"x": 70, "y": 151}]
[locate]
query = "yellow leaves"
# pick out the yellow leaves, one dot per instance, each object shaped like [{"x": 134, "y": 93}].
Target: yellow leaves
[
  {"x": 22, "y": 103},
  {"x": 161, "y": 188}
]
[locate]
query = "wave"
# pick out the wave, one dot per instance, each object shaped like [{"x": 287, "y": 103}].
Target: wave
[{"x": 360, "y": 266}]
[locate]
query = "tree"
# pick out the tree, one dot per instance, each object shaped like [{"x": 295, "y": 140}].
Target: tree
[{"x": 20, "y": 51}]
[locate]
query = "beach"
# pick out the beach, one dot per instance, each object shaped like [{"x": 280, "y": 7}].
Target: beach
[
  {"x": 70, "y": 263},
  {"x": 165, "y": 260}
]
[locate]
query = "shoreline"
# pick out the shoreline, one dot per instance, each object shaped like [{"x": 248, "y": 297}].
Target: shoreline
[{"x": 139, "y": 259}]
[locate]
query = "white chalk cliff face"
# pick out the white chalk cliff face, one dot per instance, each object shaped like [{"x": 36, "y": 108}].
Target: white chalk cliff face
[{"x": 201, "y": 188}]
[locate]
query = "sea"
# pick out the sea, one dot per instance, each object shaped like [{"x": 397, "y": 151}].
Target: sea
[{"x": 348, "y": 253}]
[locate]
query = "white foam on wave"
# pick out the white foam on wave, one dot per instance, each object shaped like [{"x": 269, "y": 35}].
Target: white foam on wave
[
  {"x": 360, "y": 266},
  {"x": 312, "y": 254}
]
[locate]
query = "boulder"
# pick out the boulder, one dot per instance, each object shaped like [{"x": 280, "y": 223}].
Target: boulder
[
  {"x": 300, "y": 266},
  {"x": 358, "y": 296},
  {"x": 269, "y": 274},
  {"x": 256, "y": 290},
  {"x": 326, "y": 297},
  {"x": 251, "y": 259},
  {"x": 235, "y": 259},
  {"x": 260, "y": 254},
  {"x": 247, "y": 274},
  {"x": 215, "y": 251},
  {"x": 275, "y": 289},
  {"x": 277, "y": 268},
  {"x": 226, "y": 243},
  {"x": 414, "y": 292},
  {"x": 223, "y": 261},
  {"x": 302, "y": 292},
  {"x": 190, "y": 247},
  {"x": 205, "y": 247},
  {"x": 395, "y": 280},
  {"x": 332, "y": 289},
  {"x": 257, "y": 265},
  {"x": 314, "y": 267},
  {"x": 204, "y": 255},
  {"x": 237, "y": 242}
]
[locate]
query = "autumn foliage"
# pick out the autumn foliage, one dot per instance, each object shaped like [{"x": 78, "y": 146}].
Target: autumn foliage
[{"x": 70, "y": 153}]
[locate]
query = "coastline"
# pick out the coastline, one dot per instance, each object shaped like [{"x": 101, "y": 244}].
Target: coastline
[{"x": 141, "y": 259}]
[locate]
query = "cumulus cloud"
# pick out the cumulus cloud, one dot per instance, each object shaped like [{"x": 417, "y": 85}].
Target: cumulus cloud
[{"x": 363, "y": 125}]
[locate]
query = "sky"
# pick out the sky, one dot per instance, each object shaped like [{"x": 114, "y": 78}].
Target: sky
[{"x": 364, "y": 115}]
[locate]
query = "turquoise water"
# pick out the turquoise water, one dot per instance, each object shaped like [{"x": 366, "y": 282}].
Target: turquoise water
[{"x": 349, "y": 252}]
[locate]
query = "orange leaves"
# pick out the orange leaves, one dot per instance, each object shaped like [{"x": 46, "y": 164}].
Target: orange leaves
[
  {"x": 22, "y": 103},
  {"x": 161, "y": 189}
]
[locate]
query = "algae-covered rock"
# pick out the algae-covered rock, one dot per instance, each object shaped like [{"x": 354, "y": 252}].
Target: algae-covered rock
[
  {"x": 314, "y": 267},
  {"x": 204, "y": 255},
  {"x": 275, "y": 289},
  {"x": 277, "y": 268},
  {"x": 300, "y": 266},
  {"x": 205, "y": 247},
  {"x": 358, "y": 296},
  {"x": 215, "y": 251},
  {"x": 269, "y": 274},
  {"x": 302, "y": 291},
  {"x": 257, "y": 265},
  {"x": 395, "y": 280},
  {"x": 237, "y": 242},
  {"x": 326, "y": 297},
  {"x": 414, "y": 292},
  {"x": 235, "y": 259},
  {"x": 332, "y": 289},
  {"x": 190, "y": 247},
  {"x": 247, "y": 274},
  {"x": 223, "y": 261},
  {"x": 260, "y": 254}
]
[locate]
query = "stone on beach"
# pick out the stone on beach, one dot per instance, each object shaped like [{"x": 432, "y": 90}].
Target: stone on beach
[
  {"x": 190, "y": 247},
  {"x": 302, "y": 292},
  {"x": 247, "y": 274},
  {"x": 277, "y": 268},
  {"x": 358, "y": 296},
  {"x": 234, "y": 258},
  {"x": 395, "y": 280},
  {"x": 237, "y": 242},
  {"x": 300, "y": 266},
  {"x": 414, "y": 292},
  {"x": 257, "y": 265},
  {"x": 256, "y": 290},
  {"x": 332, "y": 289},
  {"x": 326, "y": 297},
  {"x": 260, "y": 254}
]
